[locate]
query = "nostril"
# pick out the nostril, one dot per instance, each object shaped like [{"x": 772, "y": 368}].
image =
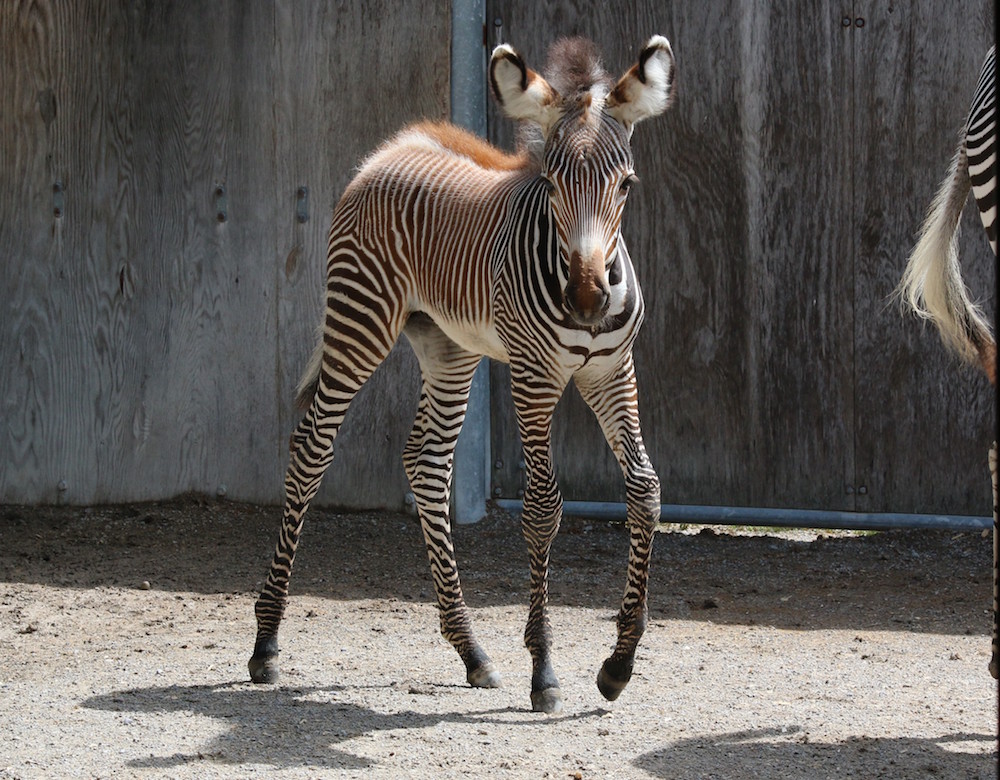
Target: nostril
[{"x": 603, "y": 293}]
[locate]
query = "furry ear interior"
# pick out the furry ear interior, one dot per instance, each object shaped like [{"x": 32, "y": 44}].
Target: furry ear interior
[
  {"x": 647, "y": 87},
  {"x": 522, "y": 93}
]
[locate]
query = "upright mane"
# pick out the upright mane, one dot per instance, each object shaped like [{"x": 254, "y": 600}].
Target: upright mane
[{"x": 576, "y": 73}]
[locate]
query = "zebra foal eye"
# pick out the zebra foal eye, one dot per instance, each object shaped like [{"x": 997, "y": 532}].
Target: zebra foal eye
[{"x": 630, "y": 181}]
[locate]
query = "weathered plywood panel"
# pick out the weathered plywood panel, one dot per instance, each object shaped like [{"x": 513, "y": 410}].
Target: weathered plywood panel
[
  {"x": 148, "y": 347},
  {"x": 69, "y": 334},
  {"x": 203, "y": 278},
  {"x": 780, "y": 197},
  {"x": 744, "y": 363},
  {"x": 367, "y": 69},
  {"x": 924, "y": 422},
  {"x": 27, "y": 232},
  {"x": 143, "y": 280}
]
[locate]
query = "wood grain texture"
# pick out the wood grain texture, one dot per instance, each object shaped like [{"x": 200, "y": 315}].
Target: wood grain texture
[
  {"x": 63, "y": 397},
  {"x": 925, "y": 422},
  {"x": 764, "y": 336},
  {"x": 367, "y": 70},
  {"x": 154, "y": 348},
  {"x": 148, "y": 349}
]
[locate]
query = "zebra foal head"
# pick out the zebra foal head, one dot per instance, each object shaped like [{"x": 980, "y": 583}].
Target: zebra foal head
[{"x": 580, "y": 123}]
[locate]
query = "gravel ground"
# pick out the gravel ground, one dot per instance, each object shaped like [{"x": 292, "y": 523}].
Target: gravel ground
[{"x": 790, "y": 655}]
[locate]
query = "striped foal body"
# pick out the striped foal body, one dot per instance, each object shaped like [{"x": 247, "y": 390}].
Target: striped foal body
[{"x": 469, "y": 251}]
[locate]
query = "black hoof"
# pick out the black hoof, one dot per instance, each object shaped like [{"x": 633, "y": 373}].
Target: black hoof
[
  {"x": 995, "y": 668},
  {"x": 485, "y": 676},
  {"x": 263, "y": 664},
  {"x": 264, "y": 670},
  {"x": 613, "y": 677},
  {"x": 548, "y": 700}
]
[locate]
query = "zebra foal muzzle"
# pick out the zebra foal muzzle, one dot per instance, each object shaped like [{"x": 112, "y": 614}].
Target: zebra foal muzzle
[{"x": 587, "y": 294}]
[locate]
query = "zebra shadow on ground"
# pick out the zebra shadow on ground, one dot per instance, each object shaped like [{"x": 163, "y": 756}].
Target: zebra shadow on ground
[
  {"x": 787, "y": 754},
  {"x": 293, "y": 727},
  {"x": 283, "y": 727}
]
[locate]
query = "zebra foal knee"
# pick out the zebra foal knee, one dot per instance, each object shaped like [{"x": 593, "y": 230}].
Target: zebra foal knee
[{"x": 643, "y": 499}]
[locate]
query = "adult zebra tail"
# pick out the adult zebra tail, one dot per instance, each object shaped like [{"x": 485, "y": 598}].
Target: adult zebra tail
[{"x": 932, "y": 283}]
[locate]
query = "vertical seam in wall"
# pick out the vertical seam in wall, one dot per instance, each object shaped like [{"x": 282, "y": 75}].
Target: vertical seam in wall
[
  {"x": 467, "y": 93},
  {"x": 279, "y": 396},
  {"x": 852, "y": 57}
]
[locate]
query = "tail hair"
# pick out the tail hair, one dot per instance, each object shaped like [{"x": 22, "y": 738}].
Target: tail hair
[
  {"x": 932, "y": 285},
  {"x": 309, "y": 382}
]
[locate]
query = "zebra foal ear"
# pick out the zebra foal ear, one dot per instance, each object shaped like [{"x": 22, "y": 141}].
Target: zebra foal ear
[
  {"x": 647, "y": 87},
  {"x": 522, "y": 93}
]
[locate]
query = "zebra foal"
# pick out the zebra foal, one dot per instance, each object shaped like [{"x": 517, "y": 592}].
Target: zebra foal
[
  {"x": 932, "y": 283},
  {"x": 471, "y": 251}
]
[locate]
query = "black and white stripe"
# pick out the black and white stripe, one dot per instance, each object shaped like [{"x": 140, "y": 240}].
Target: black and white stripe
[
  {"x": 981, "y": 141},
  {"x": 468, "y": 252}
]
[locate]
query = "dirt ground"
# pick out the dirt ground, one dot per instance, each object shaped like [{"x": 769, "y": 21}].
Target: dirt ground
[{"x": 127, "y": 630}]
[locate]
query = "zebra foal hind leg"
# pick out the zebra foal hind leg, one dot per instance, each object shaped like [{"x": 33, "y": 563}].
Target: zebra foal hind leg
[
  {"x": 428, "y": 459},
  {"x": 614, "y": 400},
  {"x": 342, "y": 370},
  {"x": 311, "y": 454}
]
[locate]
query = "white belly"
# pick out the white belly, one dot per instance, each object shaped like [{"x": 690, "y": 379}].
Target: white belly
[{"x": 477, "y": 339}]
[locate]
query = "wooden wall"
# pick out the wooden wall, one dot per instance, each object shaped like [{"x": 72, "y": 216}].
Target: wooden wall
[
  {"x": 148, "y": 348},
  {"x": 779, "y": 198}
]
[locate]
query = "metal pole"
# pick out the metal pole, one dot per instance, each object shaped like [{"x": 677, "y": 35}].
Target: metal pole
[
  {"x": 470, "y": 485},
  {"x": 776, "y": 518}
]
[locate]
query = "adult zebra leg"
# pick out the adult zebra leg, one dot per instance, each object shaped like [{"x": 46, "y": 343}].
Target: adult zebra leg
[
  {"x": 344, "y": 368},
  {"x": 534, "y": 401},
  {"x": 995, "y": 657},
  {"x": 614, "y": 400},
  {"x": 428, "y": 459}
]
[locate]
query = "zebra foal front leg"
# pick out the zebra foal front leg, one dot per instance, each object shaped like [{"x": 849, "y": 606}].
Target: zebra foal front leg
[
  {"x": 614, "y": 400},
  {"x": 540, "y": 517}
]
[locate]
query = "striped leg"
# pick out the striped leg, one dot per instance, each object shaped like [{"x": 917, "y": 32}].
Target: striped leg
[
  {"x": 428, "y": 459},
  {"x": 614, "y": 400},
  {"x": 995, "y": 659},
  {"x": 535, "y": 400},
  {"x": 346, "y": 365},
  {"x": 311, "y": 453}
]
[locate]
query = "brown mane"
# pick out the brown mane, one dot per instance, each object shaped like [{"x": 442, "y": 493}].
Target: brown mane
[{"x": 464, "y": 143}]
